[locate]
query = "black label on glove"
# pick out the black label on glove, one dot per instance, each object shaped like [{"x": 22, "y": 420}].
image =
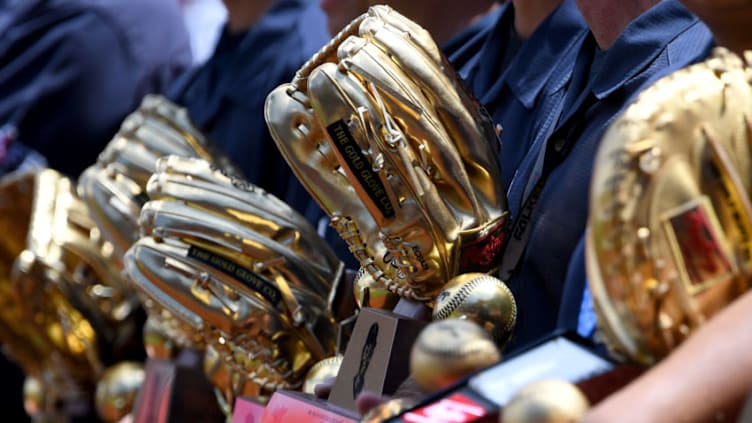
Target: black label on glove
[
  {"x": 359, "y": 166},
  {"x": 250, "y": 279}
]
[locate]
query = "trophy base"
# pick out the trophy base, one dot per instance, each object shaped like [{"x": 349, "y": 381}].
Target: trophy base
[
  {"x": 480, "y": 397},
  {"x": 377, "y": 358},
  {"x": 297, "y": 407},
  {"x": 176, "y": 391}
]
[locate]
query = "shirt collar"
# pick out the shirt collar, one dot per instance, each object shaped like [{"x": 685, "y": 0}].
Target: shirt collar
[
  {"x": 482, "y": 68},
  {"x": 640, "y": 44},
  {"x": 466, "y": 37},
  {"x": 549, "y": 53},
  {"x": 303, "y": 17}
]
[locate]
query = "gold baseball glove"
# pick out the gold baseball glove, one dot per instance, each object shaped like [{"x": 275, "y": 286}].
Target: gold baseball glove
[
  {"x": 670, "y": 218},
  {"x": 242, "y": 270},
  {"x": 379, "y": 129},
  {"x": 64, "y": 311},
  {"x": 114, "y": 188}
]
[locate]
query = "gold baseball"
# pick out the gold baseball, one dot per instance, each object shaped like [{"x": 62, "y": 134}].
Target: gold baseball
[
  {"x": 547, "y": 401},
  {"x": 319, "y": 372},
  {"x": 484, "y": 299},
  {"x": 448, "y": 350},
  {"x": 371, "y": 293},
  {"x": 117, "y": 390}
]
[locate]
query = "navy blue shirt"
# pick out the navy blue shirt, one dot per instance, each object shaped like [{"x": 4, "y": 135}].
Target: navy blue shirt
[
  {"x": 522, "y": 82},
  {"x": 523, "y": 88},
  {"x": 581, "y": 317},
  {"x": 665, "y": 36},
  {"x": 226, "y": 96},
  {"x": 71, "y": 70}
]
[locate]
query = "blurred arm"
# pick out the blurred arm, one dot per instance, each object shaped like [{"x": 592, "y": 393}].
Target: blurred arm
[{"x": 710, "y": 373}]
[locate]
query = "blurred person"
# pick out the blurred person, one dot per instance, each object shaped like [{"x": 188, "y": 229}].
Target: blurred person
[
  {"x": 716, "y": 356},
  {"x": 626, "y": 45},
  {"x": 71, "y": 70},
  {"x": 706, "y": 379},
  {"x": 527, "y": 34},
  {"x": 262, "y": 45},
  {"x": 629, "y": 44}
]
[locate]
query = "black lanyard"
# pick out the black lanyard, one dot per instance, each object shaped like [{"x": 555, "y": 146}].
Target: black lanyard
[{"x": 558, "y": 147}]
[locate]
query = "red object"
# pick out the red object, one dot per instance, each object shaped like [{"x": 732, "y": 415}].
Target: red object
[
  {"x": 484, "y": 254},
  {"x": 456, "y": 408}
]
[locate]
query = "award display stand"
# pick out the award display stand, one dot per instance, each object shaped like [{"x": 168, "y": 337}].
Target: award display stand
[
  {"x": 247, "y": 410},
  {"x": 297, "y": 407},
  {"x": 377, "y": 358},
  {"x": 176, "y": 390},
  {"x": 479, "y": 397}
]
